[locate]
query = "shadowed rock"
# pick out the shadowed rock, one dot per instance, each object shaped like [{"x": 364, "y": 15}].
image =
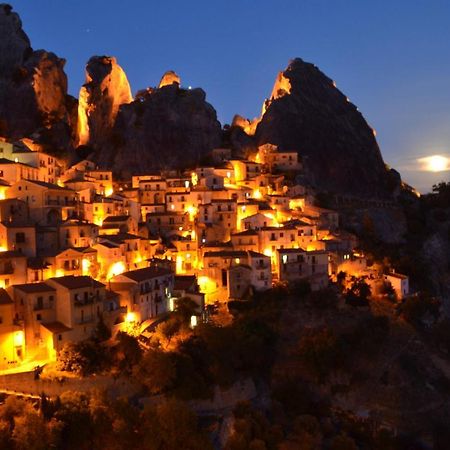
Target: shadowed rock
[
  {"x": 163, "y": 128},
  {"x": 33, "y": 89},
  {"x": 307, "y": 113}
]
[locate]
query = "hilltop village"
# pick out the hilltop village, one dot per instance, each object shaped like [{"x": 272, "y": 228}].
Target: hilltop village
[{"x": 78, "y": 246}]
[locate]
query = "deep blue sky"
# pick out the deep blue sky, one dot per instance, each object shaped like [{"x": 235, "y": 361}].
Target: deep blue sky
[{"x": 390, "y": 57}]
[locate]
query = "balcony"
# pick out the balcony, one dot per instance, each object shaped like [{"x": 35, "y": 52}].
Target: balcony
[
  {"x": 6, "y": 269},
  {"x": 60, "y": 202},
  {"x": 87, "y": 301}
]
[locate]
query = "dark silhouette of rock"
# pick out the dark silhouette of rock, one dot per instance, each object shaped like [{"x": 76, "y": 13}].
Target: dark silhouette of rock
[
  {"x": 106, "y": 88},
  {"x": 33, "y": 89},
  {"x": 164, "y": 128},
  {"x": 307, "y": 113}
]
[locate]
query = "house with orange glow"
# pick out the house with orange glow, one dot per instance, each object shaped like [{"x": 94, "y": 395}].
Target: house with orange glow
[
  {"x": 234, "y": 274},
  {"x": 28, "y": 153},
  {"x": 77, "y": 233},
  {"x": 296, "y": 264},
  {"x": 34, "y": 305},
  {"x": 13, "y": 210},
  {"x": 246, "y": 240},
  {"x": 399, "y": 282},
  {"x": 119, "y": 224},
  {"x": 14, "y": 171},
  {"x": 110, "y": 258},
  {"x": 167, "y": 222},
  {"x": 13, "y": 268},
  {"x": 12, "y": 342},
  {"x": 18, "y": 236},
  {"x": 48, "y": 203},
  {"x": 144, "y": 292},
  {"x": 133, "y": 249}
]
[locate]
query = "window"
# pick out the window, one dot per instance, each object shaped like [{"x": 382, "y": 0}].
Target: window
[{"x": 20, "y": 238}]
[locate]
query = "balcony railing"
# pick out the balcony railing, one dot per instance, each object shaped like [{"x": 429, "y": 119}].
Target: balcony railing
[
  {"x": 52, "y": 202},
  {"x": 7, "y": 269},
  {"x": 87, "y": 301}
]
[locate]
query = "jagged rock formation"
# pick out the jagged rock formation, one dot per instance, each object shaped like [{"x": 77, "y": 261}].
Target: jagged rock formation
[
  {"x": 307, "y": 113},
  {"x": 162, "y": 128},
  {"x": 106, "y": 88},
  {"x": 170, "y": 77},
  {"x": 33, "y": 88},
  {"x": 165, "y": 127},
  {"x": 173, "y": 127}
]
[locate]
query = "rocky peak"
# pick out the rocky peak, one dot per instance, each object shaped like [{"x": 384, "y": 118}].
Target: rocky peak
[
  {"x": 106, "y": 88},
  {"x": 169, "y": 78},
  {"x": 307, "y": 113},
  {"x": 163, "y": 128},
  {"x": 14, "y": 43},
  {"x": 33, "y": 89}
]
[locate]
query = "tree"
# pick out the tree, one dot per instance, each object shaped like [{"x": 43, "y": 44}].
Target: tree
[
  {"x": 84, "y": 358},
  {"x": 172, "y": 425},
  {"x": 166, "y": 330},
  {"x": 343, "y": 442},
  {"x": 185, "y": 308},
  {"x": 156, "y": 371},
  {"x": 418, "y": 308},
  {"x": 5, "y": 434},
  {"x": 340, "y": 280},
  {"x": 101, "y": 332},
  {"x": 358, "y": 294},
  {"x": 128, "y": 352},
  {"x": 321, "y": 352},
  {"x": 30, "y": 432}
]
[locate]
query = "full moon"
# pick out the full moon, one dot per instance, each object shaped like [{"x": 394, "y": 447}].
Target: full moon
[{"x": 435, "y": 163}]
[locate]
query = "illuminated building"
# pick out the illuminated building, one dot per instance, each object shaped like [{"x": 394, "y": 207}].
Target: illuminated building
[
  {"x": 144, "y": 292},
  {"x": 12, "y": 341}
]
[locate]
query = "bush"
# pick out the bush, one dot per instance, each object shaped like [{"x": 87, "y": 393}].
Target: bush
[
  {"x": 417, "y": 309},
  {"x": 83, "y": 358},
  {"x": 321, "y": 352},
  {"x": 156, "y": 371}
]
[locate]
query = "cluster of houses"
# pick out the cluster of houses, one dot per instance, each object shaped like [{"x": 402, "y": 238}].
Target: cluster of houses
[{"x": 77, "y": 246}]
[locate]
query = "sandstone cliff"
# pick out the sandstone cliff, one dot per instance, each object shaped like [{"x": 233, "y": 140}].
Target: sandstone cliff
[
  {"x": 33, "y": 89},
  {"x": 106, "y": 88}
]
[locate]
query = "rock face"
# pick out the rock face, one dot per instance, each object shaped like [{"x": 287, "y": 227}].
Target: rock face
[
  {"x": 33, "y": 88},
  {"x": 164, "y": 128},
  {"x": 106, "y": 88},
  {"x": 307, "y": 113},
  {"x": 170, "y": 77}
]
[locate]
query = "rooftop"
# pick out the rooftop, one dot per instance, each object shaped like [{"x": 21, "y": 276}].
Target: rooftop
[
  {"x": 73, "y": 282},
  {"x": 146, "y": 273},
  {"x": 56, "y": 327},
  {"x": 34, "y": 288}
]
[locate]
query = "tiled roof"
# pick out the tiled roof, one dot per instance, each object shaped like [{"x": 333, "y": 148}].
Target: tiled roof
[
  {"x": 73, "y": 282},
  {"x": 146, "y": 273},
  {"x": 34, "y": 288}
]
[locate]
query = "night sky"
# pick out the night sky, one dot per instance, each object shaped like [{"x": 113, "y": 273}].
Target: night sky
[{"x": 390, "y": 57}]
